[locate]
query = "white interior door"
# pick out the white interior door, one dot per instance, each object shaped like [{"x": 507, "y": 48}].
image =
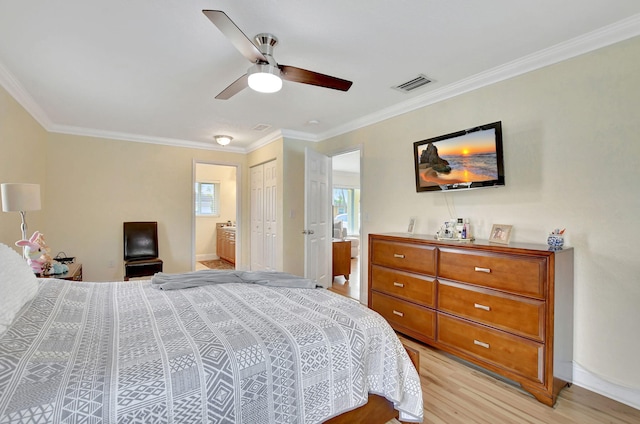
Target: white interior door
[
  {"x": 317, "y": 218},
  {"x": 270, "y": 252},
  {"x": 257, "y": 218}
]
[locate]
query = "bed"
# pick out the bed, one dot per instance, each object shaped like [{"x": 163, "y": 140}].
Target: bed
[{"x": 126, "y": 352}]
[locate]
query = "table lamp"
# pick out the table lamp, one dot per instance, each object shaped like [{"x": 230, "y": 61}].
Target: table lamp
[{"x": 20, "y": 197}]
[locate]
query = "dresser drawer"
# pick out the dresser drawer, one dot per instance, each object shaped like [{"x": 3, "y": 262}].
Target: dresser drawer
[
  {"x": 405, "y": 316},
  {"x": 405, "y": 256},
  {"x": 412, "y": 287},
  {"x": 506, "y": 351},
  {"x": 516, "y": 274},
  {"x": 518, "y": 315}
]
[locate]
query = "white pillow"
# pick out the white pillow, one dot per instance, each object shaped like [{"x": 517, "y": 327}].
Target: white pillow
[{"x": 18, "y": 285}]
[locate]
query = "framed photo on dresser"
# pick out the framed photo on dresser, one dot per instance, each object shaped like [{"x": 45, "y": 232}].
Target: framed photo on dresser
[
  {"x": 412, "y": 225},
  {"x": 500, "y": 233}
]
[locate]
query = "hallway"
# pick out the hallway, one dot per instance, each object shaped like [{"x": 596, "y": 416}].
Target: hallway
[{"x": 349, "y": 288}]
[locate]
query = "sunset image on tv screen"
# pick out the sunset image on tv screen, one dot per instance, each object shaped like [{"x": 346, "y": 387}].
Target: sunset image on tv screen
[{"x": 464, "y": 159}]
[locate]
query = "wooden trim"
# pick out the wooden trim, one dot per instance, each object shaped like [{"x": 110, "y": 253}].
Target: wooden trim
[{"x": 377, "y": 410}]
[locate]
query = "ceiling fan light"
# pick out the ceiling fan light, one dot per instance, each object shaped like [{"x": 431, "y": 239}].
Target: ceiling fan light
[
  {"x": 265, "y": 78},
  {"x": 223, "y": 140}
]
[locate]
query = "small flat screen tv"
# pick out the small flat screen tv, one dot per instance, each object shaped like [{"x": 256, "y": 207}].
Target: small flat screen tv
[{"x": 463, "y": 160}]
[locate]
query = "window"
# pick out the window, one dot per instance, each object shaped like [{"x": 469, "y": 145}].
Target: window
[
  {"x": 346, "y": 208},
  {"x": 208, "y": 198}
]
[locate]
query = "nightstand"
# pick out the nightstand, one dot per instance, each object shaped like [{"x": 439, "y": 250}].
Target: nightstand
[{"x": 74, "y": 273}]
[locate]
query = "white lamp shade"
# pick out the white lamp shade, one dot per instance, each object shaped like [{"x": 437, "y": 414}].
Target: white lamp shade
[{"x": 18, "y": 197}]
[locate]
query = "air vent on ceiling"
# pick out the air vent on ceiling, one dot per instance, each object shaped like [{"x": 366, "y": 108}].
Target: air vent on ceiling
[
  {"x": 261, "y": 127},
  {"x": 417, "y": 82}
]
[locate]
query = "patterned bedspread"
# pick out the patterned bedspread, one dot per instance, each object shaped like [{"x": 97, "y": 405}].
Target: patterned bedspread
[{"x": 236, "y": 353}]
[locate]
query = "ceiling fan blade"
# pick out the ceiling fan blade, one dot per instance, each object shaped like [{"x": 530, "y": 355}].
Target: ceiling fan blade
[
  {"x": 235, "y": 35},
  {"x": 235, "y": 87},
  {"x": 291, "y": 73}
]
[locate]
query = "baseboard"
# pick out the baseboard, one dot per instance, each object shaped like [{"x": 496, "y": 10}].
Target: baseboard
[
  {"x": 591, "y": 382},
  {"x": 207, "y": 257}
]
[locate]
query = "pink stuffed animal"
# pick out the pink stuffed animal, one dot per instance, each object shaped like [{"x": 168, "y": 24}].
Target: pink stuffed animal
[{"x": 33, "y": 252}]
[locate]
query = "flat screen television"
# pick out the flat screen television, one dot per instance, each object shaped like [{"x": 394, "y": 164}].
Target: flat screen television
[{"x": 463, "y": 160}]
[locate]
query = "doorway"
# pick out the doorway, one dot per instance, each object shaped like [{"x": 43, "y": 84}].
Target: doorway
[
  {"x": 215, "y": 215},
  {"x": 346, "y": 180}
]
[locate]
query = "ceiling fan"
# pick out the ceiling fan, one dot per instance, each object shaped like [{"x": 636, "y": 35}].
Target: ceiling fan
[{"x": 265, "y": 74}]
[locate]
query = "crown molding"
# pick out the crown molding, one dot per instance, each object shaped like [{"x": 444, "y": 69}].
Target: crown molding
[
  {"x": 15, "y": 89},
  {"x": 113, "y": 135},
  {"x": 605, "y": 36},
  {"x": 269, "y": 138},
  {"x": 611, "y": 34}
]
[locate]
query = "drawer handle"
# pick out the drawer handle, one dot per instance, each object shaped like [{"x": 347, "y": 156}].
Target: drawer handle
[
  {"x": 397, "y": 255},
  {"x": 487, "y": 270},
  {"x": 400, "y": 314},
  {"x": 479, "y": 306},
  {"x": 479, "y": 343},
  {"x": 395, "y": 283}
]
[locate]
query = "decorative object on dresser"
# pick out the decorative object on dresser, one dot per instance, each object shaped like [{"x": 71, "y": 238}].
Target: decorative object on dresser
[
  {"x": 500, "y": 233},
  {"x": 508, "y": 309},
  {"x": 412, "y": 225},
  {"x": 455, "y": 230},
  {"x": 556, "y": 239}
]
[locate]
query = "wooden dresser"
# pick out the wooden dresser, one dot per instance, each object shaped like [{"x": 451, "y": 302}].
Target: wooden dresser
[{"x": 507, "y": 308}]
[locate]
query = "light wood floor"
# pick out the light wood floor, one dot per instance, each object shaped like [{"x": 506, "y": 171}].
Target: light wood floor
[
  {"x": 454, "y": 392},
  {"x": 351, "y": 287}
]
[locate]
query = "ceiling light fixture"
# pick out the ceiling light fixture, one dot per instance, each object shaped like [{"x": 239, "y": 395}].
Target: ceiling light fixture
[
  {"x": 223, "y": 140},
  {"x": 265, "y": 78}
]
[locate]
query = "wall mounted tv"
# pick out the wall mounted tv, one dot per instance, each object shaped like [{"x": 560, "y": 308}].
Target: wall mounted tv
[{"x": 463, "y": 160}]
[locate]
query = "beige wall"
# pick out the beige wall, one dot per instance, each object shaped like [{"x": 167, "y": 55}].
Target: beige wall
[
  {"x": 571, "y": 152},
  {"x": 93, "y": 185},
  {"x": 23, "y": 155},
  {"x": 571, "y": 144}
]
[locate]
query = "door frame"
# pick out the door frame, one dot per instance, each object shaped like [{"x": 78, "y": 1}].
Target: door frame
[
  {"x": 363, "y": 218},
  {"x": 238, "y": 167}
]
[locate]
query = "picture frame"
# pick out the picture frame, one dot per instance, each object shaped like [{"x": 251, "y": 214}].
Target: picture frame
[
  {"x": 412, "y": 225},
  {"x": 500, "y": 233}
]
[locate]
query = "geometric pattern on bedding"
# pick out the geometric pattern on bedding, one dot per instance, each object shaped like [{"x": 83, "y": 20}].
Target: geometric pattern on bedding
[{"x": 233, "y": 353}]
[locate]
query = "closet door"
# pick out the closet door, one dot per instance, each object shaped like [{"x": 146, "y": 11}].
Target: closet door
[
  {"x": 257, "y": 217},
  {"x": 270, "y": 222},
  {"x": 264, "y": 217}
]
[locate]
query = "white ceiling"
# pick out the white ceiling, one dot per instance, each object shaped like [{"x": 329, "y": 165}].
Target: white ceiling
[{"x": 148, "y": 70}]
